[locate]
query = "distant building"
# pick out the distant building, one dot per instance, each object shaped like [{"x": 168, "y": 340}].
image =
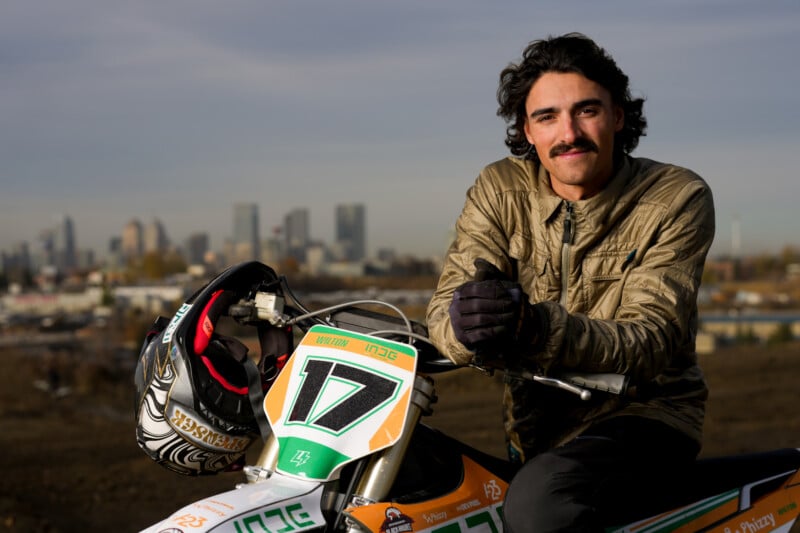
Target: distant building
[
  {"x": 17, "y": 266},
  {"x": 44, "y": 304},
  {"x": 351, "y": 229},
  {"x": 273, "y": 248},
  {"x": 115, "y": 245},
  {"x": 132, "y": 239},
  {"x": 155, "y": 237},
  {"x": 386, "y": 254},
  {"x": 151, "y": 299},
  {"x": 246, "y": 239},
  {"x": 65, "y": 251},
  {"x": 316, "y": 259},
  {"x": 114, "y": 255},
  {"x": 297, "y": 233},
  {"x": 45, "y": 255},
  {"x": 197, "y": 246}
]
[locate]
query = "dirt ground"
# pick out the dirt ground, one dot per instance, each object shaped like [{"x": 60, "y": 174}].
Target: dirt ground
[{"x": 72, "y": 463}]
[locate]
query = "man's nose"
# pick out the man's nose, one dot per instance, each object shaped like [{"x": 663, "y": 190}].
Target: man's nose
[{"x": 570, "y": 130}]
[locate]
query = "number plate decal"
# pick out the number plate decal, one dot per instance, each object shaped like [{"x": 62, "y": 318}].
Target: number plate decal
[{"x": 341, "y": 396}]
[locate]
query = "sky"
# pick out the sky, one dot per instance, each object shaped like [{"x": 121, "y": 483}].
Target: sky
[{"x": 176, "y": 110}]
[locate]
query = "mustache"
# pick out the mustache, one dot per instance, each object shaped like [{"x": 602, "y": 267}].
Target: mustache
[{"x": 581, "y": 143}]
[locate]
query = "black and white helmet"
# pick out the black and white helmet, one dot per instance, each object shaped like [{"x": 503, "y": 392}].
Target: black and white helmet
[{"x": 195, "y": 387}]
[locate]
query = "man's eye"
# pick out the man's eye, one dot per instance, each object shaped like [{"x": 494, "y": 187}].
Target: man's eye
[
  {"x": 588, "y": 111},
  {"x": 544, "y": 118}
]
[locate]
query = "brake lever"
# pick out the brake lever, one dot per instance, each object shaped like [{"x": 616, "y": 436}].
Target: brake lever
[{"x": 582, "y": 392}]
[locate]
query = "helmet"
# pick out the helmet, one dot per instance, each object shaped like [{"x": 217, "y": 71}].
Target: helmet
[{"x": 195, "y": 388}]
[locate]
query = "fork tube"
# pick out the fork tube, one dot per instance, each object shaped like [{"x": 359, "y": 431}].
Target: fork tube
[
  {"x": 384, "y": 466},
  {"x": 268, "y": 458}
]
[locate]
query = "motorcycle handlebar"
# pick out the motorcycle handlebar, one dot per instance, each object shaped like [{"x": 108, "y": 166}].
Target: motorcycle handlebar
[{"x": 271, "y": 308}]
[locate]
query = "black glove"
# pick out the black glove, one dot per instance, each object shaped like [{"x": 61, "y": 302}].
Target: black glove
[{"x": 492, "y": 313}]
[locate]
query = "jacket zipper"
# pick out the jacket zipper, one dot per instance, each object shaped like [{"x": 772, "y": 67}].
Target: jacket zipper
[{"x": 566, "y": 242}]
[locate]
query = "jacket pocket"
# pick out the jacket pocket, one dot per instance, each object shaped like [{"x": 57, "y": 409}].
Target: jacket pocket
[
  {"x": 603, "y": 274},
  {"x": 536, "y": 277}
]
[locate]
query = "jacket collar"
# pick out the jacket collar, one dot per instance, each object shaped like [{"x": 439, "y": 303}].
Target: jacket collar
[{"x": 596, "y": 209}]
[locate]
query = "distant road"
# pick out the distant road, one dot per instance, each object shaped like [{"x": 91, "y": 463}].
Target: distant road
[{"x": 27, "y": 340}]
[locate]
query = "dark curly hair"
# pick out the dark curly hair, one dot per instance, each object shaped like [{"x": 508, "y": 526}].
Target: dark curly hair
[{"x": 573, "y": 52}]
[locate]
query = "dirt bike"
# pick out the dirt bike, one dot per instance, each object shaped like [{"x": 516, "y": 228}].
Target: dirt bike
[{"x": 346, "y": 449}]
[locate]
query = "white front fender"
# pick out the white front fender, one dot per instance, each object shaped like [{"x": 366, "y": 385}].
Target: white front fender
[{"x": 278, "y": 503}]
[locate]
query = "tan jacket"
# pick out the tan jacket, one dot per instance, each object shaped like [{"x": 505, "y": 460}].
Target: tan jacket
[{"x": 628, "y": 304}]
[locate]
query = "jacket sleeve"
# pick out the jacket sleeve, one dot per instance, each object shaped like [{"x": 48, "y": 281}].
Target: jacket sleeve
[
  {"x": 479, "y": 234},
  {"x": 652, "y": 329}
]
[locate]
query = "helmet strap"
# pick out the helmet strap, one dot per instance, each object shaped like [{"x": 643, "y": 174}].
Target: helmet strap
[
  {"x": 276, "y": 346},
  {"x": 256, "y": 396}
]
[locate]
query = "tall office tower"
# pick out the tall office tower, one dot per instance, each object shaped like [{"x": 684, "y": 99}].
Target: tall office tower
[
  {"x": 351, "y": 229},
  {"x": 66, "y": 254},
  {"x": 296, "y": 231},
  {"x": 132, "y": 239},
  {"x": 155, "y": 237},
  {"x": 196, "y": 248},
  {"x": 246, "y": 240},
  {"x": 46, "y": 253}
]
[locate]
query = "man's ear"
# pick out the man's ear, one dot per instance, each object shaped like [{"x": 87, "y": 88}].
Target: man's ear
[
  {"x": 619, "y": 118},
  {"x": 527, "y": 130}
]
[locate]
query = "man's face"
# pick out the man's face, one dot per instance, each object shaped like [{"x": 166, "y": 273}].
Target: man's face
[{"x": 571, "y": 122}]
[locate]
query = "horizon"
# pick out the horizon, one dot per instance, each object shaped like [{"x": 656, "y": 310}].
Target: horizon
[{"x": 180, "y": 245}]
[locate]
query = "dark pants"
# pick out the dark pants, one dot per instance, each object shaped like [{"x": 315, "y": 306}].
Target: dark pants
[{"x": 608, "y": 476}]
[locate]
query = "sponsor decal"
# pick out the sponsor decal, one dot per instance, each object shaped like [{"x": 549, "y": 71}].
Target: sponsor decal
[
  {"x": 432, "y": 518},
  {"x": 332, "y": 341},
  {"x": 381, "y": 351},
  {"x": 286, "y": 518},
  {"x": 396, "y": 521},
  {"x": 173, "y": 324},
  {"x": 300, "y": 458},
  {"x": 190, "y": 520},
  {"x": 492, "y": 490},
  {"x": 752, "y": 525},
  {"x": 212, "y": 509},
  {"x": 466, "y": 506},
  {"x": 202, "y": 434}
]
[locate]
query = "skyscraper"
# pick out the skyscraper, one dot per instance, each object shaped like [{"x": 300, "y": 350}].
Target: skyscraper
[
  {"x": 196, "y": 248},
  {"x": 155, "y": 237},
  {"x": 351, "y": 232},
  {"x": 296, "y": 228},
  {"x": 132, "y": 239},
  {"x": 66, "y": 254},
  {"x": 246, "y": 240}
]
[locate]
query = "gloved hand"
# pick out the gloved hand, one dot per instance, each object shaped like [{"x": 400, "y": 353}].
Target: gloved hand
[{"x": 492, "y": 313}]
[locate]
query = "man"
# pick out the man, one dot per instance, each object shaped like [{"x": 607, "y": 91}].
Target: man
[{"x": 573, "y": 256}]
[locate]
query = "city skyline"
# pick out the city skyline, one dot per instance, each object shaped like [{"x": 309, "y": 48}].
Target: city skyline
[
  {"x": 56, "y": 245},
  {"x": 179, "y": 110}
]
